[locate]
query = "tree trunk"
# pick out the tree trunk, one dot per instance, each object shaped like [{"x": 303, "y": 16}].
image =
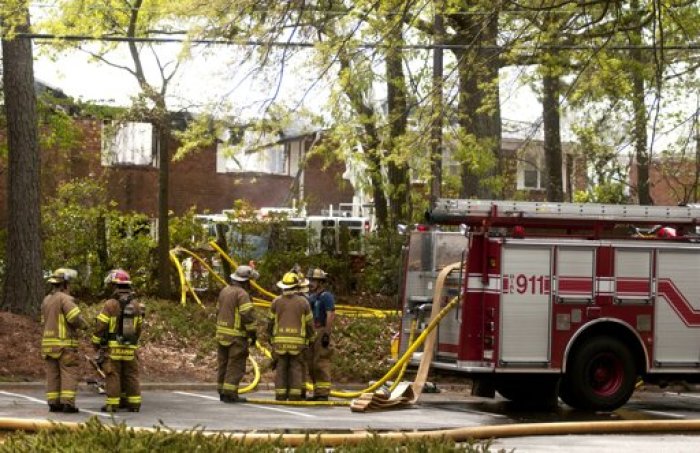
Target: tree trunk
[
  {"x": 375, "y": 176},
  {"x": 641, "y": 152},
  {"x": 552, "y": 137},
  {"x": 437, "y": 114},
  {"x": 371, "y": 144},
  {"x": 164, "y": 287},
  {"x": 478, "y": 68},
  {"x": 397, "y": 169},
  {"x": 23, "y": 280}
]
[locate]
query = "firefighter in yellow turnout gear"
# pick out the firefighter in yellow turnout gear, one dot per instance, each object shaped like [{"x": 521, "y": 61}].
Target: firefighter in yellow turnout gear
[
  {"x": 235, "y": 325},
  {"x": 290, "y": 325},
  {"x": 59, "y": 344},
  {"x": 118, "y": 328}
]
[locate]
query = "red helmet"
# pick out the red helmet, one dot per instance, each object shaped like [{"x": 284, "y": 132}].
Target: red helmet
[
  {"x": 666, "y": 232},
  {"x": 118, "y": 277}
]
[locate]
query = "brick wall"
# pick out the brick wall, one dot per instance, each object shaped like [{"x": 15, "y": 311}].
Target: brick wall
[{"x": 193, "y": 181}]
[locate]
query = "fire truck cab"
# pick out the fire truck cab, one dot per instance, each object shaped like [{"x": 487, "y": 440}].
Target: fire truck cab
[{"x": 560, "y": 299}]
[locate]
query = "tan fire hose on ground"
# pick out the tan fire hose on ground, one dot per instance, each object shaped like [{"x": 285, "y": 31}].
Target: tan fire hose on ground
[
  {"x": 401, "y": 395},
  {"x": 455, "y": 434}
]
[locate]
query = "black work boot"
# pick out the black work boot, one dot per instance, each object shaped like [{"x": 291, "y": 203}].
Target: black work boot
[
  {"x": 70, "y": 409},
  {"x": 320, "y": 398},
  {"x": 233, "y": 399},
  {"x": 56, "y": 407}
]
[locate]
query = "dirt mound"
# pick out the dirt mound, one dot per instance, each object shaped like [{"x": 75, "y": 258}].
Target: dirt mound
[
  {"x": 20, "y": 348},
  {"x": 20, "y": 356}
]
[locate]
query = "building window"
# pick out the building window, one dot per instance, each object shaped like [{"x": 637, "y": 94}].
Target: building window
[
  {"x": 530, "y": 177},
  {"x": 258, "y": 153},
  {"x": 128, "y": 144}
]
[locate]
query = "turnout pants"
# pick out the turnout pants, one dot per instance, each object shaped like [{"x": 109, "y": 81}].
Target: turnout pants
[
  {"x": 62, "y": 377},
  {"x": 319, "y": 366},
  {"x": 122, "y": 382},
  {"x": 231, "y": 366},
  {"x": 288, "y": 378}
]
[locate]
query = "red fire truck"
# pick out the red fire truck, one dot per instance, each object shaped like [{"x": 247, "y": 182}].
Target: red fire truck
[{"x": 560, "y": 299}]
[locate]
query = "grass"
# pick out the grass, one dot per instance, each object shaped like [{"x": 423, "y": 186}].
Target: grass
[{"x": 96, "y": 437}]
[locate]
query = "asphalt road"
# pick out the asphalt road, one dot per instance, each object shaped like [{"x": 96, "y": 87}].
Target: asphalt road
[{"x": 187, "y": 408}]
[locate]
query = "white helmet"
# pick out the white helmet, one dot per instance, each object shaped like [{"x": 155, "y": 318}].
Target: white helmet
[{"x": 244, "y": 273}]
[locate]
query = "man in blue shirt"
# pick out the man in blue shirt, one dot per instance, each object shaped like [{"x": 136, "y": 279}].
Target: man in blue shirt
[{"x": 323, "y": 308}]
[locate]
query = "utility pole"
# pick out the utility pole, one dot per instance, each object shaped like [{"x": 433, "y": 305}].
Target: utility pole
[{"x": 437, "y": 116}]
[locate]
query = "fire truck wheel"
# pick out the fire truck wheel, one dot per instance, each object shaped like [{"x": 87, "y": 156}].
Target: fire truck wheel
[
  {"x": 602, "y": 375},
  {"x": 566, "y": 393}
]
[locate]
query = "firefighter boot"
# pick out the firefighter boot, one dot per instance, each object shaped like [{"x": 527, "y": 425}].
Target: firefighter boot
[
  {"x": 109, "y": 408},
  {"x": 233, "y": 399},
  {"x": 56, "y": 407},
  {"x": 70, "y": 409}
]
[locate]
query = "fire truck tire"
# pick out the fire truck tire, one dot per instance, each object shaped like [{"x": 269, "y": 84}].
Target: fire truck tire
[
  {"x": 565, "y": 392},
  {"x": 601, "y": 377}
]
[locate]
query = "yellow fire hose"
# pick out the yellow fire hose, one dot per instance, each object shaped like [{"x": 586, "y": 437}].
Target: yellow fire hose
[
  {"x": 399, "y": 366},
  {"x": 455, "y": 434},
  {"x": 340, "y": 309}
]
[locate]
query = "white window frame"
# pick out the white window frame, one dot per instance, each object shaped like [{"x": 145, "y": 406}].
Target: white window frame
[
  {"x": 128, "y": 144},
  {"x": 254, "y": 156},
  {"x": 530, "y": 163}
]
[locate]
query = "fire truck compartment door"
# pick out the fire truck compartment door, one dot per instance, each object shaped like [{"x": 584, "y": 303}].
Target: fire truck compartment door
[
  {"x": 525, "y": 305},
  {"x": 677, "y": 309}
]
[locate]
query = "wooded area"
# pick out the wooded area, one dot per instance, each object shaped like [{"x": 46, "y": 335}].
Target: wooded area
[{"x": 622, "y": 71}]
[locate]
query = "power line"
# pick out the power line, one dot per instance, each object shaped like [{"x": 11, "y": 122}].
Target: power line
[{"x": 303, "y": 44}]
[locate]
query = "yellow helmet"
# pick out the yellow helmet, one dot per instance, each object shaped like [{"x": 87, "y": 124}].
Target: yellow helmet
[
  {"x": 62, "y": 275},
  {"x": 290, "y": 280}
]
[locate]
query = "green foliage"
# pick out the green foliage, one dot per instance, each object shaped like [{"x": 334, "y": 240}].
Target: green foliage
[
  {"x": 83, "y": 231},
  {"x": 200, "y": 134},
  {"x": 185, "y": 231},
  {"x": 365, "y": 341},
  {"x": 70, "y": 230},
  {"x": 381, "y": 272},
  {"x": 130, "y": 246},
  {"x": 605, "y": 192},
  {"x": 96, "y": 437}
]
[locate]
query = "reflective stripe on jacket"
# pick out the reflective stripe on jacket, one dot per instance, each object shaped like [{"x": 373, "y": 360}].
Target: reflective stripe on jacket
[
  {"x": 291, "y": 324},
  {"x": 107, "y": 329},
  {"x": 61, "y": 318},
  {"x": 235, "y": 316}
]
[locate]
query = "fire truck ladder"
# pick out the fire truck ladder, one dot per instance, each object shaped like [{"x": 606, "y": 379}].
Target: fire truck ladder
[{"x": 573, "y": 216}]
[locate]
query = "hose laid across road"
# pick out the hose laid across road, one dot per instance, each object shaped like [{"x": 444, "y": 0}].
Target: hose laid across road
[{"x": 455, "y": 434}]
